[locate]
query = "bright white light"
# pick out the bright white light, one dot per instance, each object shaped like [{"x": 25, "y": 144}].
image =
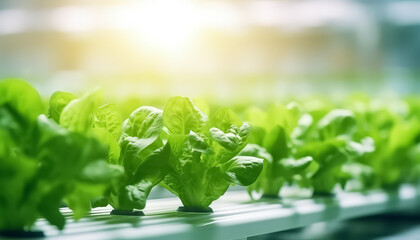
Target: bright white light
[{"x": 161, "y": 24}]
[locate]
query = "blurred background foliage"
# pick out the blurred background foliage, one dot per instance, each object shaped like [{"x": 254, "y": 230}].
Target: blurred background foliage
[{"x": 142, "y": 52}]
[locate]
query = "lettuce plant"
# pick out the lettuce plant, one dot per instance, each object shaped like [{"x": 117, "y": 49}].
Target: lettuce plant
[
  {"x": 144, "y": 157},
  {"x": 203, "y": 161},
  {"x": 88, "y": 117},
  {"x": 277, "y": 132},
  {"x": 135, "y": 145},
  {"x": 395, "y": 128},
  {"x": 335, "y": 150},
  {"x": 42, "y": 163}
]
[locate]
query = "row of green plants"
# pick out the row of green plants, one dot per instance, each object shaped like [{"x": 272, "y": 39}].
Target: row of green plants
[
  {"x": 81, "y": 152},
  {"x": 366, "y": 145}
]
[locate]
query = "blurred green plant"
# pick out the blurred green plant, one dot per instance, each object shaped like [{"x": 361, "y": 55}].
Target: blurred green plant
[
  {"x": 275, "y": 135},
  {"x": 43, "y": 164},
  {"x": 135, "y": 145}
]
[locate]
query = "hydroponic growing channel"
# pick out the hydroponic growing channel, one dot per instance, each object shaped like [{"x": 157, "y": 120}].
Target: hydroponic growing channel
[{"x": 233, "y": 218}]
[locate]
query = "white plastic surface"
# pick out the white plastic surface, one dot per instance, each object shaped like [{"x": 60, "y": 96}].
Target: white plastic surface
[{"x": 235, "y": 216}]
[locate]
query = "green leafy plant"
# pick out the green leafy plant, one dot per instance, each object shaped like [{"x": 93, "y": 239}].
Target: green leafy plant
[
  {"x": 135, "y": 145},
  {"x": 203, "y": 159},
  {"x": 86, "y": 116},
  {"x": 41, "y": 163},
  {"x": 335, "y": 151},
  {"x": 276, "y": 134},
  {"x": 395, "y": 128},
  {"x": 144, "y": 157}
]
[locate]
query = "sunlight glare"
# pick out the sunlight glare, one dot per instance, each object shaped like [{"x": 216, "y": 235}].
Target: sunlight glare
[{"x": 164, "y": 25}]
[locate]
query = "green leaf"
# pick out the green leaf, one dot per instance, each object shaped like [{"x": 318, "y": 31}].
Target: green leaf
[
  {"x": 296, "y": 165},
  {"x": 79, "y": 200},
  {"x": 99, "y": 202},
  {"x": 214, "y": 187},
  {"x": 49, "y": 206},
  {"x": 311, "y": 170},
  {"x": 223, "y": 119},
  {"x": 58, "y": 102},
  {"x": 367, "y": 145},
  {"x": 243, "y": 170},
  {"x": 198, "y": 143},
  {"x": 338, "y": 122},
  {"x": 328, "y": 153},
  {"x": 255, "y": 150},
  {"x": 330, "y": 156},
  {"x": 257, "y": 135},
  {"x": 323, "y": 182},
  {"x": 144, "y": 123},
  {"x": 285, "y": 116},
  {"x": 16, "y": 170},
  {"x": 293, "y": 115},
  {"x": 13, "y": 123},
  {"x": 148, "y": 175},
  {"x": 179, "y": 144},
  {"x": 276, "y": 143},
  {"x": 108, "y": 118},
  {"x": 181, "y": 116},
  {"x": 228, "y": 140},
  {"x": 78, "y": 114},
  {"x": 226, "y": 145},
  {"x": 106, "y": 138},
  {"x": 22, "y": 97},
  {"x": 140, "y": 137},
  {"x": 99, "y": 172},
  {"x": 303, "y": 126}
]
